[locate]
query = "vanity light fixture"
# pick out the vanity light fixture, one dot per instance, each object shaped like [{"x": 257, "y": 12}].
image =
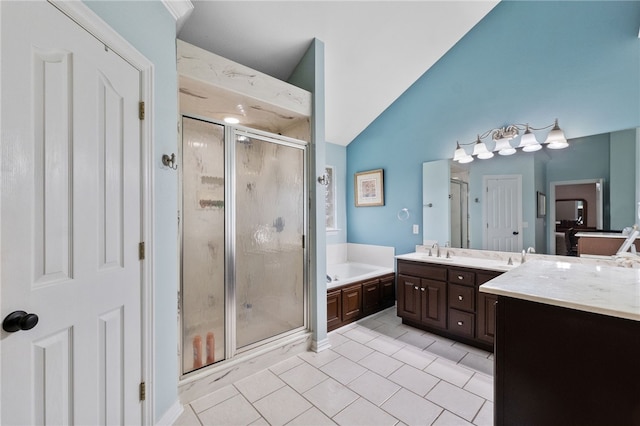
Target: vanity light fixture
[{"x": 503, "y": 137}]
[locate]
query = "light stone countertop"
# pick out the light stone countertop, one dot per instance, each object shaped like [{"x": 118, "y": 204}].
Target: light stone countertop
[
  {"x": 597, "y": 284},
  {"x": 491, "y": 264},
  {"x": 587, "y": 286}
]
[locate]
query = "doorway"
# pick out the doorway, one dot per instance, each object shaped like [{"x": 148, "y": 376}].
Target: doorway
[
  {"x": 591, "y": 193},
  {"x": 459, "y": 200},
  {"x": 502, "y": 213}
]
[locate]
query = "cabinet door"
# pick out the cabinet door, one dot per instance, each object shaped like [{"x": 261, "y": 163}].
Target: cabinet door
[
  {"x": 434, "y": 303},
  {"x": 370, "y": 297},
  {"x": 334, "y": 310},
  {"x": 351, "y": 303},
  {"x": 387, "y": 291},
  {"x": 409, "y": 297},
  {"x": 486, "y": 326}
]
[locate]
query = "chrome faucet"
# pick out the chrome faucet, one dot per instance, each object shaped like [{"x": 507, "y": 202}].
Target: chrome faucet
[
  {"x": 437, "y": 247},
  {"x": 524, "y": 254}
]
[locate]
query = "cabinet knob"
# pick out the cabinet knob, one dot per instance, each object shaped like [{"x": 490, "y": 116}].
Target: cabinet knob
[
  {"x": 460, "y": 277},
  {"x": 422, "y": 289},
  {"x": 415, "y": 288},
  {"x": 460, "y": 297},
  {"x": 460, "y": 323}
]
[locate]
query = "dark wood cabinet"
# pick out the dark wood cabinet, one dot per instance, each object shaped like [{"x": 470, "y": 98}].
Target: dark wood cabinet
[
  {"x": 486, "y": 317},
  {"x": 486, "y": 327},
  {"x": 433, "y": 295},
  {"x": 334, "y": 309},
  {"x": 371, "y": 297},
  {"x": 562, "y": 366},
  {"x": 351, "y": 302},
  {"x": 409, "y": 297},
  {"x": 387, "y": 291},
  {"x": 446, "y": 301}
]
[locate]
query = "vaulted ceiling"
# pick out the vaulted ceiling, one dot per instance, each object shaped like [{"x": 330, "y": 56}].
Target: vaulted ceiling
[{"x": 374, "y": 50}]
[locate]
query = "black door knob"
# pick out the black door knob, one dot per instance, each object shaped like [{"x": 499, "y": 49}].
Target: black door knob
[
  {"x": 19, "y": 320},
  {"x": 515, "y": 232}
]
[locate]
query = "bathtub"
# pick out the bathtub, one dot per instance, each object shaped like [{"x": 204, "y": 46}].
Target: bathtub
[{"x": 351, "y": 272}]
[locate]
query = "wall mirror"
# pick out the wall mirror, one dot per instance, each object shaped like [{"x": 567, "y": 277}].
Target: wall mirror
[
  {"x": 573, "y": 211},
  {"x": 454, "y": 195}
]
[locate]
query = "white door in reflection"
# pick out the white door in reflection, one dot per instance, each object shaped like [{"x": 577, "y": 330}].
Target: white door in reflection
[
  {"x": 269, "y": 238},
  {"x": 503, "y": 213}
]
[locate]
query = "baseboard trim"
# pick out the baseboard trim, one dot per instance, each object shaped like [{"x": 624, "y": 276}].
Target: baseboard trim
[
  {"x": 171, "y": 415},
  {"x": 320, "y": 345}
]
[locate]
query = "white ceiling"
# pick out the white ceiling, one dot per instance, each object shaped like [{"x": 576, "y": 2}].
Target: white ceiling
[{"x": 373, "y": 50}]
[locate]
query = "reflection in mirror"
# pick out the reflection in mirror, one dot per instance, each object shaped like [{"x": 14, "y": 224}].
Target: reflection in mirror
[
  {"x": 571, "y": 211},
  {"x": 459, "y": 201},
  {"x": 609, "y": 158}
]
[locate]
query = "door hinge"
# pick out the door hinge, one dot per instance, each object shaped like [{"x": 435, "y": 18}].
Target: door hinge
[
  {"x": 303, "y": 241},
  {"x": 141, "y": 251},
  {"x": 143, "y": 391},
  {"x": 141, "y": 110}
]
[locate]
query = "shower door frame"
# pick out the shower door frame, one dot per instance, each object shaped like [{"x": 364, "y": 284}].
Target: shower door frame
[{"x": 230, "y": 133}]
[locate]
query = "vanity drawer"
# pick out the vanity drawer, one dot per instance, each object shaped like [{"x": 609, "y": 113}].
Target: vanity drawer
[
  {"x": 460, "y": 276},
  {"x": 422, "y": 270},
  {"x": 461, "y": 323},
  {"x": 462, "y": 297}
]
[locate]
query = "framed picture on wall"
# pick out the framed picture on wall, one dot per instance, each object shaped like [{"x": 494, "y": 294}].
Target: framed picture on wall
[
  {"x": 369, "y": 188},
  {"x": 542, "y": 204}
]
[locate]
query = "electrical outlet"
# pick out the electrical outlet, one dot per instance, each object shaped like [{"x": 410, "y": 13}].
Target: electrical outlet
[{"x": 416, "y": 229}]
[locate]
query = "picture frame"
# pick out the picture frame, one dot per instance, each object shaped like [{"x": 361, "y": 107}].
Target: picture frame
[
  {"x": 541, "y": 204},
  {"x": 369, "y": 188}
]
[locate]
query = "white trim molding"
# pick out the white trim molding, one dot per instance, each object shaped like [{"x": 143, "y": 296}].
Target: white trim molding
[
  {"x": 180, "y": 10},
  {"x": 320, "y": 345}
]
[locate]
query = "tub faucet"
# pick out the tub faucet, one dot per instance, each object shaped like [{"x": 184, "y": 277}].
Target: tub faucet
[
  {"x": 437, "y": 247},
  {"x": 328, "y": 279}
]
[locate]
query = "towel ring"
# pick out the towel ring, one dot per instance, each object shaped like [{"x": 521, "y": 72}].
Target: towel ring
[{"x": 403, "y": 214}]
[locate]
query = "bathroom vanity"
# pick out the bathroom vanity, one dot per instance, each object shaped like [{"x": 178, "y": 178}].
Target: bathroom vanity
[
  {"x": 440, "y": 295},
  {"x": 567, "y": 348}
]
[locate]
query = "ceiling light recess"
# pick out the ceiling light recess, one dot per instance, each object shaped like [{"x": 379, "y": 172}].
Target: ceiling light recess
[{"x": 502, "y": 138}]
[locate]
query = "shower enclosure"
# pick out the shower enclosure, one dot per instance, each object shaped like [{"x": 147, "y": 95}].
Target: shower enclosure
[{"x": 243, "y": 225}]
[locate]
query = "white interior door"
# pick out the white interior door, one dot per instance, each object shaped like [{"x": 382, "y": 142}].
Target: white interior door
[
  {"x": 503, "y": 212},
  {"x": 70, "y": 223}
]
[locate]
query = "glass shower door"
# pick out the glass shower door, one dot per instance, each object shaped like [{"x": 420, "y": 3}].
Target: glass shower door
[
  {"x": 203, "y": 244},
  {"x": 269, "y": 245}
]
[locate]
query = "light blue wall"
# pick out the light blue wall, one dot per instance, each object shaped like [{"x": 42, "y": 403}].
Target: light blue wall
[
  {"x": 337, "y": 157},
  {"x": 149, "y": 27},
  {"x": 522, "y": 165},
  {"x": 526, "y": 61},
  {"x": 309, "y": 75}
]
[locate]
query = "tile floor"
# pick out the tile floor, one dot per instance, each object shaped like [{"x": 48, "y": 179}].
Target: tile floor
[{"x": 377, "y": 372}]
